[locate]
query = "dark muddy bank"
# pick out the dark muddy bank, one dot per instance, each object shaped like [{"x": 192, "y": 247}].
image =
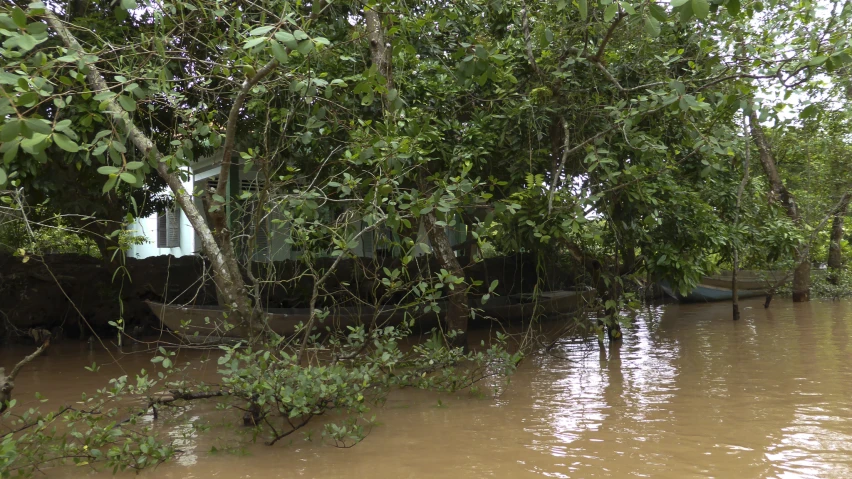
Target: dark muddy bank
[{"x": 71, "y": 295}]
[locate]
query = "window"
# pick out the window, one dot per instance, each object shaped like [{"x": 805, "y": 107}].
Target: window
[{"x": 168, "y": 229}]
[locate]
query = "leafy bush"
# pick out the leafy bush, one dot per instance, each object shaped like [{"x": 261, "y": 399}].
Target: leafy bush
[{"x": 279, "y": 395}]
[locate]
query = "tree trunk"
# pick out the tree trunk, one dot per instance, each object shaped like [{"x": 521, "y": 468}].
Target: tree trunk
[
  {"x": 380, "y": 50},
  {"x": 628, "y": 258},
  {"x": 778, "y": 192},
  {"x": 735, "y": 288},
  {"x": 835, "y": 261},
  {"x": 802, "y": 281},
  {"x": 230, "y": 282},
  {"x": 458, "y": 310}
]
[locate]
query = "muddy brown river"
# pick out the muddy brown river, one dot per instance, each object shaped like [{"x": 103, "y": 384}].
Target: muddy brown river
[{"x": 689, "y": 393}]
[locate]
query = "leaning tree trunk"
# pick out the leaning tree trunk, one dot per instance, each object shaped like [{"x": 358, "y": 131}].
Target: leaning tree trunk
[
  {"x": 835, "y": 261},
  {"x": 230, "y": 284},
  {"x": 458, "y": 310},
  {"x": 778, "y": 192}
]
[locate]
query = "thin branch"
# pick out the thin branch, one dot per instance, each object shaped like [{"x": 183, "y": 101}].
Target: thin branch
[
  {"x": 233, "y": 118},
  {"x": 609, "y": 76},
  {"x": 7, "y": 383},
  {"x": 17, "y": 369},
  {"x": 565, "y": 152},
  {"x": 525, "y": 26},
  {"x": 599, "y": 55}
]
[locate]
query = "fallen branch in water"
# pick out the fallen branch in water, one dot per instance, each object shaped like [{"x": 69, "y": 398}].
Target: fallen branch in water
[
  {"x": 173, "y": 395},
  {"x": 7, "y": 383}
]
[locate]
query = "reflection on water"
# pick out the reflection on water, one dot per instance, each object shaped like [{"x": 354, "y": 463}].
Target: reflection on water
[{"x": 689, "y": 393}]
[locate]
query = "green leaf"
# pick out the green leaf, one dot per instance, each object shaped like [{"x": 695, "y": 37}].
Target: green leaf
[
  {"x": 287, "y": 39},
  {"x": 305, "y": 47},
  {"x": 685, "y": 12},
  {"x": 134, "y": 165},
  {"x": 677, "y": 3},
  {"x": 24, "y": 42},
  {"x": 19, "y": 17},
  {"x": 548, "y": 35},
  {"x": 300, "y": 35},
  {"x": 107, "y": 170},
  {"x": 10, "y": 130},
  {"x": 700, "y": 8},
  {"x": 65, "y": 143},
  {"x": 658, "y": 12},
  {"x": 126, "y": 102},
  {"x": 3, "y": 177},
  {"x": 100, "y": 149},
  {"x": 278, "y": 52},
  {"x": 7, "y": 78},
  {"x": 110, "y": 184},
  {"x": 610, "y": 12},
  {"x": 816, "y": 61},
  {"x": 584, "y": 9},
  {"x": 127, "y": 178},
  {"x": 129, "y": 4},
  {"x": 733, "y": 7},
  {"x": 262, "y": 30},
  {"x": 35, "y": 143},
  {"x": 809, "y": 112},
  {"x": 12, "y": 152},
  {"x": 254, "y": 42},
  {"x": 652, "y": 27}
]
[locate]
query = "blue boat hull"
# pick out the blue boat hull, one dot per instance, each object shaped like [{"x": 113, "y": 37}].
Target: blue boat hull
[{"x": 704, "y": 293}]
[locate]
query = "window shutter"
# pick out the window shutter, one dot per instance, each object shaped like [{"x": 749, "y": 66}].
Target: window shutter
[
  {"x": 168, "y": 229},
  {"x": 162, "y": 234},
  {"x": 173, "y": 229}
]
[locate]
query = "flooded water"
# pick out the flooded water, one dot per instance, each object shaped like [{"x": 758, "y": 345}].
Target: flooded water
[{"x": 689, "y": 393}]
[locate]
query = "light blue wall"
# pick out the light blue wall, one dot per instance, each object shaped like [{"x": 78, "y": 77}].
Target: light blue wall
[{"x": 147, "y": 227}]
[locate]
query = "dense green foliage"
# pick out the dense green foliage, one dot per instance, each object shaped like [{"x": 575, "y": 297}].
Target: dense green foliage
[{"x": 610, "y": 134}]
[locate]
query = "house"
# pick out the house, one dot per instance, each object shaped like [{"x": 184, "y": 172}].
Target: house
[{"x": 170, "y": 233}]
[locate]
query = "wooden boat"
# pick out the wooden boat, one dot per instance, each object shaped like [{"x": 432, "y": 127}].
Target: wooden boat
[
  {"x": 523, "y": 306},
  {"x": 717, "y": 287},
  {"x": 208, "y": 324}
]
